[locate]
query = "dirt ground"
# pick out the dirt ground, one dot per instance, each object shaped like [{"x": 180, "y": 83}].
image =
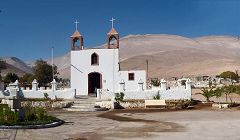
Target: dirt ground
[{"x": 199, "y": 123}]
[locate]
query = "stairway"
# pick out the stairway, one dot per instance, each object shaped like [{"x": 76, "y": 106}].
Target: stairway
[{"x": 85, "y": 103}]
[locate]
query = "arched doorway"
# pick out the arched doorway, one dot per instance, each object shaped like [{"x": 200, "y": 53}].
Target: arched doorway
[{"x": 94, "y": 82}]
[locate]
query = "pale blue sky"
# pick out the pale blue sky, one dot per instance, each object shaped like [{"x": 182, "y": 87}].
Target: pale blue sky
[{"x": 29, "y": 28}]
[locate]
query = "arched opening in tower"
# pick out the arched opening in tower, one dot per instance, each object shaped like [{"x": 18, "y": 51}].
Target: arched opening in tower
[
  {"x": 77, "y": 43},
  {"x": 113, "y": 42}
]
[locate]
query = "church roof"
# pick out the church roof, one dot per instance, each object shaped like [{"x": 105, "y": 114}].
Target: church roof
[
  {"x": 76, "y": 34},
  {"x": 112, "y": 32}
]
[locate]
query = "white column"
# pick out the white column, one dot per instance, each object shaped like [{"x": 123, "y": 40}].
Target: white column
[
  {"x": 98, "y": 94},
  {"x": 188, "y": 84},
  {"x": 54, "y": 85},
  {"x": 163, "y": 84},
  {"x": 14, "y": 85},
  {"x": 140, "y": 85},
  {"x": 122, "y": 86},
  {"x": 34, "y": 85}
]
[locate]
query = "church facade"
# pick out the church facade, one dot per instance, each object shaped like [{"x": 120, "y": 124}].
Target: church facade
[{"x": 99, "y": 68}]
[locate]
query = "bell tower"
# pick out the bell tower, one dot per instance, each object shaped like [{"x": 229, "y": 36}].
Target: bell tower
[
  {"x": 112, "y": 38},
  {"x": 76, "y": 39}
]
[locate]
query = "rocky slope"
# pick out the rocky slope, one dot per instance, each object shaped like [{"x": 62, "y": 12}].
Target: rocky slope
[{"x": 15, "y": 65}]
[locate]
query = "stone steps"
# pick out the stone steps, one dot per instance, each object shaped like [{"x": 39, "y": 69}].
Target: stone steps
[
  {"x": 82, "y": 106},
  {"x": 80, "y": 109},
  {"x": 85, "y": 103}
]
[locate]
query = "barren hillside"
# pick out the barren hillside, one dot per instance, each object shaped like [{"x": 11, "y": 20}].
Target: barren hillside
[
  {"x": 171, "y": 55},
  {"x": 168, "y": 55},
  {"x": 15, "y": 65}
]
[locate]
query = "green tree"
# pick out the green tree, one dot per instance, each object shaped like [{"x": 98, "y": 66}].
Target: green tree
[
  {"x": 10, "y": 77},
  {"x": 218, "y": 92},
  {"x": 230, "y": 75},
  {"x": 43, "y": 72},
  {"x": 228, "y": 90},
  {"x": 207, "y": 93},
  {"x": 155, "y": 82},
  {"x": 26, "y": 79},
  {"x": 237, "y": 89}
]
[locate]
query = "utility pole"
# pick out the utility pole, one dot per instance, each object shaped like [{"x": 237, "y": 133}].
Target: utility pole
[
  {"x": 147, "y": 67},
  {"x": 52, "y": 63},
  {"x": 53, "y": 86}
]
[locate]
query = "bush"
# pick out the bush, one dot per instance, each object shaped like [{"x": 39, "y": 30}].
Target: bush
[
  {"x": 8, "y": 117},
  {"x": 155, "y": 82},
  {"x": 32, "y": 116},
  {"x": 10, "y": 77},
  {"x": 46, "y": 96},
  {"x": 34, "y": 113},
  {"x": 119, "y": 97},
  {"x": 230, "y": 75},
  {"x": 156, "y": 97}
]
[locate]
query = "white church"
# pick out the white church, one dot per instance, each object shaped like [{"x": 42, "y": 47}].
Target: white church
[
  {"x": 97, "y": 72},
  {"x": 99, "y": 68}
]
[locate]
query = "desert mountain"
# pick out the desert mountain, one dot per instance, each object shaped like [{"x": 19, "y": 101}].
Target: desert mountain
[
  {"x": 171, "y": 55},
  {"x": 63, "y": 64},
  {"x": 15, "y": 65},
  {"x": 167, "y": 55}
]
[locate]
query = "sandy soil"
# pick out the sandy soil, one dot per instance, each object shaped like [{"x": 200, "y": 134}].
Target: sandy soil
[{"x": 140, "y": 124}]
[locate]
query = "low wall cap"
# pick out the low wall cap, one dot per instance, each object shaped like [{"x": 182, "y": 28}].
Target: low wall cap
[
  {"x": 140, "y": 81},
  {"x": 163, "y": 81},
  {"x": 122, "y": 81}
]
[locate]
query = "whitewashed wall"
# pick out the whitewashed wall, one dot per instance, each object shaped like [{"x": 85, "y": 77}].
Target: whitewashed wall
[
  {"x": 132, "y": 85},
  {"x": 81, "y": 67},
  {"x": 174, "y": 93},
  {"x": 63, "y": 94}
]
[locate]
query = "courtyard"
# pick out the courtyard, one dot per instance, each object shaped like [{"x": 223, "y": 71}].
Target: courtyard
[{"x": 199, "y": 123}]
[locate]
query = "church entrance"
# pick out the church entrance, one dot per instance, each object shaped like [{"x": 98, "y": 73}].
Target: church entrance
[{"x": 94, "y": 83}]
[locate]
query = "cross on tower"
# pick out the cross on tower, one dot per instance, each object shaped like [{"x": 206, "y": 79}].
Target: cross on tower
[
  {"x": 76, "y": 22},
  {"x": 112, "y": 20}
]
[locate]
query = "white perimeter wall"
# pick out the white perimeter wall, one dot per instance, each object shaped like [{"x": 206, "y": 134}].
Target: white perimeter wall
[
  {"x": 63, "y": 94},
  {"x": 170, "y": 94}
]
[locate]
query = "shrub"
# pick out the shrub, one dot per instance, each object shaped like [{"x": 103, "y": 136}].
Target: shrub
[
  {"x": 40, "y": 113},
  {"x": 156, "y": 97},
  {"x": 155, "y": 82},
  {"x": 8, "y": 117},
  {"x": 46, "y": 96},
  {"x": 207, "y": 93},
  {"x": 32, "y": 116},
  {"x": 230, "y": 75},
  {"x": 119, "y": 97}
]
